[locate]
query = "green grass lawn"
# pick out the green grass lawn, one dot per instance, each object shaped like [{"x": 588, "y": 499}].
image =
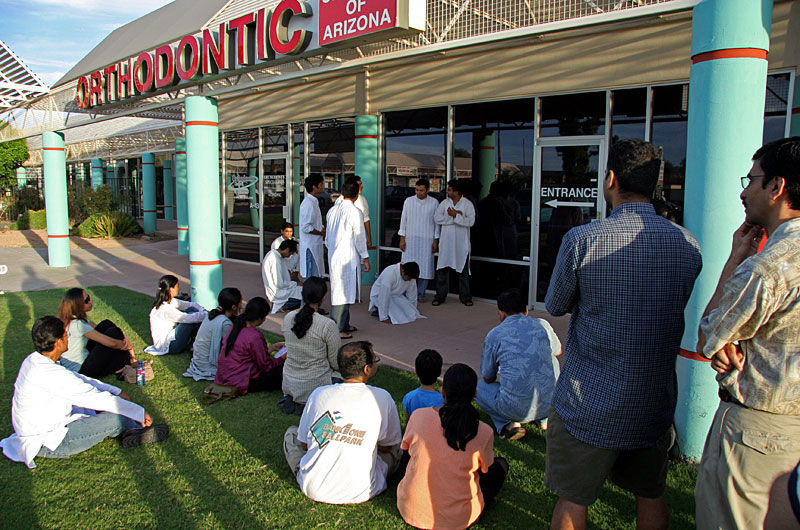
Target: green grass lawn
[{"x": 223, "y": 465}]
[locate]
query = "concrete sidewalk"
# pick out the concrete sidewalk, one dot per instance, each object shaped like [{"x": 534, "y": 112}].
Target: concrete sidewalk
[{"x": 454, "y": 330}]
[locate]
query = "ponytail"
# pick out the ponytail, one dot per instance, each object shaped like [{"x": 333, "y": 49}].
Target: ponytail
[
  {"x": 314, "y": 290},
  {"x": 165, "y": 283},
  {"x": 228, "y": 298},
  {"x": 458, "y": 417},
  {"x": 256, "y": 309}
]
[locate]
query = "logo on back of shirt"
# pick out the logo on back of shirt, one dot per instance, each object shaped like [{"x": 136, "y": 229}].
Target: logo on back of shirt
[{"x": 325, "y": 430}]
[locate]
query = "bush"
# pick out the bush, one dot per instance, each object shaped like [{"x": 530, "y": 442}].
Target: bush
[
  {"x": 109, "y": 225},
  {"x": 31, "y": 220},
  {"x": 84, "y": 201}
]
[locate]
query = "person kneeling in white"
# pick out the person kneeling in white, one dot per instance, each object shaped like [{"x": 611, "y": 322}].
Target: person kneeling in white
[
  {"x": 278, "y": 283},
  {"x": 57, "y": 413},
  {"x": 394, "y": 294},
  {"x": 348, "y": 441}
]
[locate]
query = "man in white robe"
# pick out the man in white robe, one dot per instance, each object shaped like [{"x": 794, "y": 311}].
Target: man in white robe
[
  {"x": 347, "y": 251},
  {"x": 362, "y": 204},
  {"x": 455, "y": 215},
  {"x": 293, "y": 262},
  {"x": 284, "y": 293},
  {"x": 419, "y": 234},
  {"x": 311, "y": 229},
  {"x": 393, "y": 297}
]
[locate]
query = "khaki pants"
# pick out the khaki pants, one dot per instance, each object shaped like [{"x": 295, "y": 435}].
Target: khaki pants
[
  {"x": 294, "y": 452},
  {"x": 746, "y": 451}
]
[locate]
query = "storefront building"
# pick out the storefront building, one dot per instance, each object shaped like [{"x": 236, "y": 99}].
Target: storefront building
[{"x": 521, "y": 99}]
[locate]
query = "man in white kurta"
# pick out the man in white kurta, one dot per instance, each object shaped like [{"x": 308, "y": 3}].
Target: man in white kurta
[
  {"x": 311, "y": 229},
  {"x": 282, "y": 291},
  {"x": 347, "y": 250},
  {"x": 419, "y": 234},
  {"x": 455, "y": 215},
  {"x": 293, "y": 262},
  {"x": 394, "y": 294},
  {"x": 362, "y": 204}
]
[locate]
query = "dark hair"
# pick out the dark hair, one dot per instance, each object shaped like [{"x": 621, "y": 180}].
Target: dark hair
[
  {"x": 350, "y": 188},
  {"x": 45, "y": 332},
  {"x": 256, "y": 309},
  {"x": 72, "y": 306},
  {"x": 511, "y": 302},
  {"x": 428, "y": 366},
  {"x": 781, "y": 158},
  {"x": 411, "y": 269},
  {"x": 356, "y": 178},
  {"x": 285, "y": 225},
  {"x": 165, "y": 283},
  {"x": 457, "y": 185},
  {"x": 353, "y": 357},
  {"x": 312, "y": 181},
  {"x": 314, "y": 290},
  {"x": 423, "y": 182},
  {"x": 459, "y": 418},
  {"x": 291, "y": 244},
  {"x": 636, "y": 166},
  {"x": 228, "y": 297}
]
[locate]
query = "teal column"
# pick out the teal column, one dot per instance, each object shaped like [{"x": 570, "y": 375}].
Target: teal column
[
  {"x": 181, "y": 206},
  {"x": 168, "y": 200},
  {"x": 252, "y": 191},
  {"x": 484, "y": 159},
  {"x": 795, "y": 127},
  {"x": 730, "y": 39},
  {"x": 203, "y": 196},
  {"x": 111, "y": 175},
  {"x": 297, "y": 183},
  {"x": 22, "y": 177},
  {"x": 367, "y": 169},
  {"x": 55, "y": 199},
  {"x": 149, "y": 192},
  {"x": 97, "y": 173}
]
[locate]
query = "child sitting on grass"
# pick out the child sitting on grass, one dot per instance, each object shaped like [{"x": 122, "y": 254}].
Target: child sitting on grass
[{"x": 428, "y": 366}]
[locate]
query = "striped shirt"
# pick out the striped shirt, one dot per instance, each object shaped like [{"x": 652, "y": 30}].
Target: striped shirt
[{"x": 626, "y": 280}]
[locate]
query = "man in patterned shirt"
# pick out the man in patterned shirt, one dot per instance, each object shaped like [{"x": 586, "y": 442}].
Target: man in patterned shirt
[
  {"x": 626, "y": 280},
  {"x": 755, "y": 437}
]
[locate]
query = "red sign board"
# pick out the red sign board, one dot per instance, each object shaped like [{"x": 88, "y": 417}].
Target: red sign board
[{"x": 345, "y": 19}]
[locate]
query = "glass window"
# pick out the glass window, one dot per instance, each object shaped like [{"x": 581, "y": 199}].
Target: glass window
[
  {"x": 629, "y": 113},
  {"x": 775, "y": 107},
  {"x": 332, "y": 154},
  {"x": 573, "y": 114},
  {"x": 668, "y": 132},
  {"x": 416, "y": 142},
  {"x": 275, "y": 139},
  {"x": 242, "y": 202}
]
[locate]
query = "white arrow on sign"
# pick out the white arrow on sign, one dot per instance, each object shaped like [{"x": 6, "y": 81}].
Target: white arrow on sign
[{"x": 555, "y": 203}]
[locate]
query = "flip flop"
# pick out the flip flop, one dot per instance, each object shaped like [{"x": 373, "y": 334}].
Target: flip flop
[
  {"x": 435, "y": 303},
  {"x": 468, "y": 303},
  {"x": 345, "y": 337},
  {"x": 351, "y": 329}
]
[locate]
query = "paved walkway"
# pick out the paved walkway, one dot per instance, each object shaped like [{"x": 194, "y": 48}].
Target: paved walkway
[{"x": 455, "y": 331}]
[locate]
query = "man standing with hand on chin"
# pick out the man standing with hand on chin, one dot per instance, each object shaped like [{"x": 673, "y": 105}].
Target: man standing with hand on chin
[{"x": 755, "y": 437}]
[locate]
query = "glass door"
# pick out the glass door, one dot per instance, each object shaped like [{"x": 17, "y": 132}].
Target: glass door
[
  {"x": 273, "y": 186},
  {"x": 567, "y": 193}
]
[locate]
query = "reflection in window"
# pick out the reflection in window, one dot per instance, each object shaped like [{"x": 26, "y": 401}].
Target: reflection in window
[
  {"x": 629, "y": 113},
  {"x": 668, "y": 132},
  {"x": 573, "y": 114},
  {"x": 775, "y": 107},
  {"x": 275, "y": 139},
  {"x": 415, "y": 148},
  {"x": 241, "y": 194},
  {"x": 331, "y": 147}
]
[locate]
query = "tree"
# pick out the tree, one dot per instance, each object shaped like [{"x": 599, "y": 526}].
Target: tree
[{"x": 12, "y": 155}]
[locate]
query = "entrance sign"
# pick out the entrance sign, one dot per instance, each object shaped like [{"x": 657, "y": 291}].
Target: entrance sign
[
  {"x": 268, "y": 36},
  {"x": 556, "y": 203},
  {"x": 570, "y": 193}
]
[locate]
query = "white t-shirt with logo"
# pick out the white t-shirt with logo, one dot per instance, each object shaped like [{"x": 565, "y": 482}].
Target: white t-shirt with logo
[{"x": 343, "y": 425}]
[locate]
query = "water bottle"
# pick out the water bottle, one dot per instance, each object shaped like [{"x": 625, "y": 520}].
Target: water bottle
[{"x": 140, "y": 374}]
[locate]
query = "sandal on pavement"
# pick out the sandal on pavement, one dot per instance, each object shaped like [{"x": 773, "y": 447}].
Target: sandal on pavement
[
  {"x": 351, "y": 329},
  {"x": 436, "y": 303},
  {"x": 468, "y": 303},
  {"x": 348, "y": 336}
]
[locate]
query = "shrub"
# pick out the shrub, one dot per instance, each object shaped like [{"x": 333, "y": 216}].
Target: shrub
[
  {"x": 109, "y": 225},
  {"x": 31, "y": 219},
  {"x": 85, "y": 201}
]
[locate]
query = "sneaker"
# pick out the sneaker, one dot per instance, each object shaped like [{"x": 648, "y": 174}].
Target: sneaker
[
  {"x": 512, "y": 431},
  {"x": 158, "y": 432}
]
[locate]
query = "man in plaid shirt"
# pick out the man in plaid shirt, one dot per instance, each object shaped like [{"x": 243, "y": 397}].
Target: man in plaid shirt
[{"x": 626, "y": 280}]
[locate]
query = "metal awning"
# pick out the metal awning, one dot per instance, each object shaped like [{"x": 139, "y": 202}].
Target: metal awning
[{"x": 18, "y": 83}]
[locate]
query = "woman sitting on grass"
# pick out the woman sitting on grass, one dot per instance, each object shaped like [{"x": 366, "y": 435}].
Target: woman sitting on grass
[
  {"x": 312, "y": 343},
  {"x": 95, "y": 350},
  {"x": 173, "y": 322},
  {"x": 452, "y": 472},
  {"x": 245, "y": 361},
  {"x": 212, "y": 332}
]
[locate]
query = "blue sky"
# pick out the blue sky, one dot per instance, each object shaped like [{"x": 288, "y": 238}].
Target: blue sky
[{"x": 51, "y": 36}]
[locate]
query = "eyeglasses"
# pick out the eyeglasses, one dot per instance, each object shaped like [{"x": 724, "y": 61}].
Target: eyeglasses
[
  {"x": 747, "y": 179},
  {"x": 87, "y": 299},
  {"x": 376, "y": 359}
]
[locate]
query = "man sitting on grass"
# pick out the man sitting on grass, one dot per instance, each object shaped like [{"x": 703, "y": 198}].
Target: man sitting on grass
[
  {"x": 57, "y": 413},
  {"x": 349, "y": 437}
]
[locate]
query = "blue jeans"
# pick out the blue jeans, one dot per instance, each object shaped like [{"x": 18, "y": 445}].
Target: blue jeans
[
  {"x": 184, "y": 334},
  {"x": 341, "y": 315},
  {"x": 311, "y": 265},
  {"x": 422, "y": 285},
  {"x": 291, "y": 304},
  {"x": 72, "y": 366},
  {"x": 489, "y": 399},
  {"x": 88, "y": 432}
]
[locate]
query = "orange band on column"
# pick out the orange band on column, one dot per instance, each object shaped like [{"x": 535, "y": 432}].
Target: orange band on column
[
  {"x": 730, "y": 53},
  {"x": 205, "y": 262},
  {"x": 686, "y": 354}
]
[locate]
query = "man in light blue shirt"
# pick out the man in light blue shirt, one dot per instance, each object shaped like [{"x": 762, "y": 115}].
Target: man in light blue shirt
[{"x": 519, "y": 368}]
